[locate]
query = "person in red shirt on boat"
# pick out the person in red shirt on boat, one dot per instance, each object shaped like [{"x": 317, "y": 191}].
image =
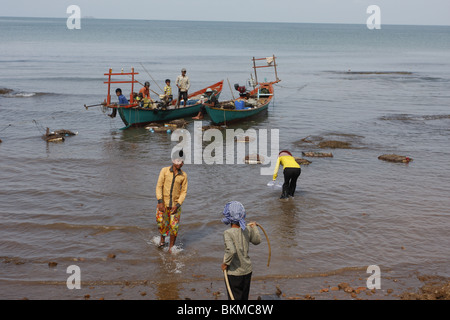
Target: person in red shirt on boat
[
  {"x": 145, "y": 90},
  {"x": 243, "y": 93}
]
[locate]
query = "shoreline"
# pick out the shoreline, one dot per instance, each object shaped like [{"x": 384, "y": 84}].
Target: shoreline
[{"x": 335, "y": 287}]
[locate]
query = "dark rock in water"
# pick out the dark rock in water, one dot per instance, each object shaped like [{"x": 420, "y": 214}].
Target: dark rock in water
[
  {"x": 65, "y": 132},
  {"x": 395, "y": 158},
  {"x": 302, "y": 161},
  {"x": 334, "y": 144},
  {"x": 5, "y": 90},
  {"x": 317, "y": 154}
]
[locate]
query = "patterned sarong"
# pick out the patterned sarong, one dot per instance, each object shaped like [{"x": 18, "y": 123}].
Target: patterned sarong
[{"x": 168, "y": 223}]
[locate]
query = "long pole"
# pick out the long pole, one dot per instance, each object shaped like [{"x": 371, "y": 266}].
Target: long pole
[
  {"x": 94, "y": 105},
  {"x": 254, "y": 67},
  {"x": 151, "y": 77},
  {"x": 231, "y": 90},
  {"x": 149, "y": 88}
]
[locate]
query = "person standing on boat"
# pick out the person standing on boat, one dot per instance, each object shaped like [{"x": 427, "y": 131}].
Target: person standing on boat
[
  {"x": 171, "y": 191},
  {"x": 183, "y": 85},
  {"x": 236, "y": 241},
  {"x": 291, "y": 173},
  {"x": 123, "y": 101}
]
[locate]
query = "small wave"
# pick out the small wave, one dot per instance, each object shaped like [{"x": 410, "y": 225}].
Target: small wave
[
  {"x": 372, "y": 72},
  {"x": 71, "y": 79},
  {"x": 410, "y": 117}
]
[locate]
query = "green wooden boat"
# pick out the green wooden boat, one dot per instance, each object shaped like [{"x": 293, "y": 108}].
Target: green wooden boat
[
  {"x": 242, "y": 108},
  {"x": 136, "y": 116},
  {"x": 249, "y": 104}
]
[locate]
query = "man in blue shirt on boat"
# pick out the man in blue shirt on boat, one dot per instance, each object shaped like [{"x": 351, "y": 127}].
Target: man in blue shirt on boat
[{"x": 123, "y": 101}]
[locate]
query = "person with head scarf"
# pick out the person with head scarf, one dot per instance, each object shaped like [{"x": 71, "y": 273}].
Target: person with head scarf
[
  {"x": 236, "y": 240},
  {"x": 171, "y": 191},
  {"x": 291, "y": 173}
]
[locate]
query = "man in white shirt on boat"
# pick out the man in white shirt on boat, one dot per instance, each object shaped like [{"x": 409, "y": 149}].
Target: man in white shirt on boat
[{"x": 183, "y": 85}]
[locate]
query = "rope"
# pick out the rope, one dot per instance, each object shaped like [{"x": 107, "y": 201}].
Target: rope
[
  {"x": 39, "y": 127},
  {"x": 298, "y": 88},
  {"x": 268, "y": 242},
  {"x": 9, "y": 125}
]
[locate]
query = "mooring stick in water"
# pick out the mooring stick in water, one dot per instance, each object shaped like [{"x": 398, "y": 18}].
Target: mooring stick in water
[
  {"x": 94, "y": 105},
  {"x": 268, "y": 242},
  {"x": 225, "y": 273}
]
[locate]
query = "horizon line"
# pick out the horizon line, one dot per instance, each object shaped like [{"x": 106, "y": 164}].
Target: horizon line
[{"x": 230, "y": 21}]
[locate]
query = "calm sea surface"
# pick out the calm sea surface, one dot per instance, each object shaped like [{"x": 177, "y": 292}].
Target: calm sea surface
[{"x": 90, "y": 201}]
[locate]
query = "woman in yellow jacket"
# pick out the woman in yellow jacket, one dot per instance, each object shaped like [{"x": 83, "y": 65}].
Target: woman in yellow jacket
[{"x": 291, "y": 173}]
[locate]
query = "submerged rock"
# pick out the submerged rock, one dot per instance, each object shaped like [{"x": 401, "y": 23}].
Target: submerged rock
[
  {"x": 317, "y": 154},
  {"x": 5, "y": 91},
  {"x": 334, "y": 144},
  {"x": 302, "y": 161},
  {"x": 395, "y": 158}
]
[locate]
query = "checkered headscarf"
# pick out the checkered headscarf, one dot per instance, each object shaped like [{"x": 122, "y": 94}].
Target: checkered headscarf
[{"x": 234, "y": 212}]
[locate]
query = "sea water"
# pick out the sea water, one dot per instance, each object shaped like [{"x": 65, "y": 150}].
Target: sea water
[{"x": 90, "y": 201}]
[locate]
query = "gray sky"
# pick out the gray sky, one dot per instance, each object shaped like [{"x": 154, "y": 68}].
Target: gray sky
[{"x": 416, "y": 12}]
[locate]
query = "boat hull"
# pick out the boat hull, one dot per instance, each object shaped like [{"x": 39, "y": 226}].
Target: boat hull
[
  {"x": 134, "y": 116},
  {"x": 142, "y": 117},
  {"x": 219, "y": 115}
]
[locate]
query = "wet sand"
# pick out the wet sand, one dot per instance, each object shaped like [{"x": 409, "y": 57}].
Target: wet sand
[{"x": 344, "y": 284}]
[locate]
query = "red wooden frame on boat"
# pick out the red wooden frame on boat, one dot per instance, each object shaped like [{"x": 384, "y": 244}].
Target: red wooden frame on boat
[
  {"x": 269, "y": 65},
  {"x": 132, "y": 81}
]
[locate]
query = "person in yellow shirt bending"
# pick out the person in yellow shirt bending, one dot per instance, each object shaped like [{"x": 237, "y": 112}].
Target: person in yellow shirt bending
[{"x": 291, "y": 173}]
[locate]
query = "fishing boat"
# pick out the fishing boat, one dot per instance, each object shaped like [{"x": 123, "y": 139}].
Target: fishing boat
[
  {"x": 137, "y": 114},
  {"x": 249, "y": 104}
]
